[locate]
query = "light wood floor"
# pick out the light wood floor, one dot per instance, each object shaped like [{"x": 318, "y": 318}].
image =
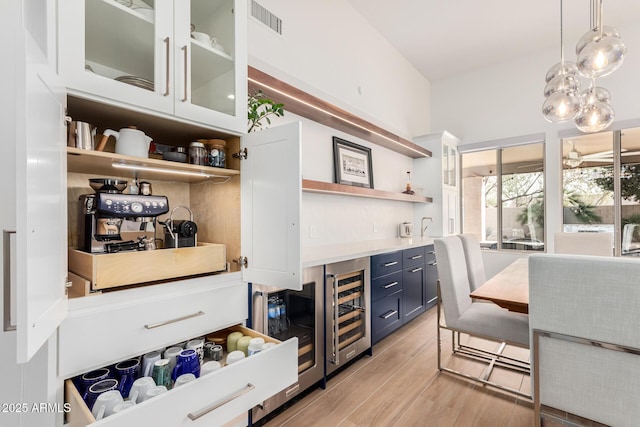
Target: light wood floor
[{"x": 400, "y": 386}]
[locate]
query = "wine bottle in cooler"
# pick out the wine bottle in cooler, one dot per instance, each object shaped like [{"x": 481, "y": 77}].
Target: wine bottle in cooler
[
  {"x": 274, "y": 326},
  {"x": 282, "y": 309}
]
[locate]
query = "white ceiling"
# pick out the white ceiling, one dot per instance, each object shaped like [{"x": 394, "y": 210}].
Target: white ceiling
[{"x": 445, "y": 37}]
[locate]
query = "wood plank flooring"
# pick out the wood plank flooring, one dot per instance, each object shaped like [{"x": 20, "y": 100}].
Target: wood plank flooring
[{"x": 400, "y": 386}]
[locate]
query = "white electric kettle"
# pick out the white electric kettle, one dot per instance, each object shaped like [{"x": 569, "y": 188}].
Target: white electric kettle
[{"x": 130, "y": 141}]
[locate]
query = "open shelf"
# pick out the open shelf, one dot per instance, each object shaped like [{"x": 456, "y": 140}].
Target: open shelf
[
  {"x": 313, "y": 108},
  {"x": 102, "y": 163},
  {"x": 349, "y": 190}
]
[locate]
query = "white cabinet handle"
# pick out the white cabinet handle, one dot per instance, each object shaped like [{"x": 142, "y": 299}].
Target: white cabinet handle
[
  {"x": 390, "y": 285},
  {"x": 416, "y": 257},
  {"x": 389, "y": 314},
  {"x": 186, "y": 72},
  {"x": 167, "y": 43},
  {"x": 415, "y": 270},
  {"x": 389, "y": 264},
  {"x": 224, "y": 401},
  {"x": 6, "y": 251},
  {"x": 177, "y": 319}
]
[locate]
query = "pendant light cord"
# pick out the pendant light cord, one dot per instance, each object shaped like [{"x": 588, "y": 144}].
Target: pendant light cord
[{"x": 561, "y": 39}]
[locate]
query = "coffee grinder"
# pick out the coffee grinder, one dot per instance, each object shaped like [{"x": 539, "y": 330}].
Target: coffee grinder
[{"x": 113, "y": 222}]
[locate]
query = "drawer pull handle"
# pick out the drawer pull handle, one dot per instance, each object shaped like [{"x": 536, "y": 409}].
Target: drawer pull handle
[
  {"x": 433, "y": 263},
  {"x": 390, "y": 285},
  {"x": 431, "y": 252},
  {"x": 416, "y": 257},
  {"x": 389, "y": 314},
  {"x": 389, "y": 264},
  {"x": 415, "y": 270},
  {"x": 177, "y": 319},
  {"x": 224, "y": 401}
]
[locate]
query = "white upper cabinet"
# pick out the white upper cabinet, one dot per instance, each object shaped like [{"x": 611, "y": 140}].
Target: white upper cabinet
[
  {"x": 439, "y": 176},
  {"x": 271, "y": 181},
  {"x": 34, "y": 211},
  {"x": 181, "y": 58}
]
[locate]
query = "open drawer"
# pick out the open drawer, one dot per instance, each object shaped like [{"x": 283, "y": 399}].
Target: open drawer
[
  {"x": 119, "y": 325},
  {"x": 211, "y": 400}
]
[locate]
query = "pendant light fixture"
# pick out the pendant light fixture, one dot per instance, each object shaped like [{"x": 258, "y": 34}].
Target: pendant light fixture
[
  {"x": 562, "y": 102},
  {"x": 600, "y": 52}
]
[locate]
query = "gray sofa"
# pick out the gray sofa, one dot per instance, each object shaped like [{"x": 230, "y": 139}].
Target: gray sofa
[{"x": 584, "y": 317}]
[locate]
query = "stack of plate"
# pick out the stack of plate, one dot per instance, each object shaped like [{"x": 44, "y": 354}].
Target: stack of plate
[{"x": 136, "y": 81}]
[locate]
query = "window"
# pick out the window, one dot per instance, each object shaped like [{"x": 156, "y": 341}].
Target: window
[
  {"x": 601, "y": 187},
  {"x": 503, "y": 196}
]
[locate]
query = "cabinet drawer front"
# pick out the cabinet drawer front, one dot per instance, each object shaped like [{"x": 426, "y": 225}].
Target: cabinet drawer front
[
  {"x": 218, "y": 397},
  {"x": 92, "y": 339},
  {"x": 414, "y": 257},
  {"x": 386, "y": 316},
  {"x": 386, "y": 285},
  {"x": 429, "y": 254},
  {"x": 386, "y": 263}
]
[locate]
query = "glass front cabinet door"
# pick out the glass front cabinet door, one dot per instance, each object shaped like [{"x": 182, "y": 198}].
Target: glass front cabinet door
[{"x": 182, "y": 58}]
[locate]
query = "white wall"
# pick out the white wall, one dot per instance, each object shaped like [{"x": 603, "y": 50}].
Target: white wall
[
  {"x": 505, "y": 100},
  {"x": 331, "y": 52}
]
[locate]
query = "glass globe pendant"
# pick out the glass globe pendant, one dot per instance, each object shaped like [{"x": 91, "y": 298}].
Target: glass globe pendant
[
  {"x": 561, "y": 106},
  {"x": 596, "y": 114},
  {"x": 562, "y": 68},
  {"x": 601, "y": 57},
  {"x": 567, "y": 83},
  {"x": 600, "y": 50}
]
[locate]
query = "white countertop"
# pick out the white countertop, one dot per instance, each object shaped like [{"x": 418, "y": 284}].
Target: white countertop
[{"x": 319, "y": 255}]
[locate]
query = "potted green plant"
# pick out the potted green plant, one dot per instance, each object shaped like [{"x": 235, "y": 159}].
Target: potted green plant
[{"x": 260, "y": 107}]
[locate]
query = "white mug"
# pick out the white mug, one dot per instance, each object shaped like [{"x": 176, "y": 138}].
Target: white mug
[
  {"x": 140, "y": 387},
  {"x": 183, "y": 379},
  {"x": 153, "y": 392},
  {"x": 209, "y": 367},
  {"x": 105, "y": 403},
  {"x": 122, "y": 406},
  {"x": 148, "y": 360},
  {"x": 197, "y": 345},
  {"x": 172, "y": 353}
]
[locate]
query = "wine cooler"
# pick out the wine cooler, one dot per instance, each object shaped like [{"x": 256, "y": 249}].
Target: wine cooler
[
  {"x": 284, "y": 314},
  {"x": 348, "y": 299}
]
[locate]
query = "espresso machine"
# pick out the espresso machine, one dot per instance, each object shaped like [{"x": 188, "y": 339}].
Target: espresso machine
[{"x": 111, "y": 221}]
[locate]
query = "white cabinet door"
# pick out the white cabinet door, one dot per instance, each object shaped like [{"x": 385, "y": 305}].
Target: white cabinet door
[
  {"x": 271, "y": 183},
  {"x": 41, "y": 196},
  {"x": 211, "y": 82},
  {"x": 101, "y": 40}
]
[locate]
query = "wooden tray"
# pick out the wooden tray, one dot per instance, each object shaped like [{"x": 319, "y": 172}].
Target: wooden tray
[{"x": 105, "y": 271}]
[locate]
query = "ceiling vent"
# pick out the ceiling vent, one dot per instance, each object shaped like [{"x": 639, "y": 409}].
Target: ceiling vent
[{"x": 266, "y": 17}]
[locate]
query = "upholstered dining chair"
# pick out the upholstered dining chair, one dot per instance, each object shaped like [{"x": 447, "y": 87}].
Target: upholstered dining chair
[
  {"x": 598, "y": 244},
  {"x": 585, "y": 348},
  {"x": 483, "y": 320},
  {"x": 473, "y": 256}
]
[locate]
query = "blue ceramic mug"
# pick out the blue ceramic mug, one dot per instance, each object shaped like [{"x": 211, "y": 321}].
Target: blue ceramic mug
[
  {"x": 98, "y": 388},
  {"x": 87, "y": 380},
  {"x": 127, "y": 372},
  {"x": 187, "y": 362}
]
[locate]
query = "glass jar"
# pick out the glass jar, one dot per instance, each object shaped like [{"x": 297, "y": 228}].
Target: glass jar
[
  {"x": 197, "y": 154},
  {"x": 217, "y": 153}
]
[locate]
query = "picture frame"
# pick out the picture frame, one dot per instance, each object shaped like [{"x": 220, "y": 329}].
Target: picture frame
[{"x": 353, "y": 165}]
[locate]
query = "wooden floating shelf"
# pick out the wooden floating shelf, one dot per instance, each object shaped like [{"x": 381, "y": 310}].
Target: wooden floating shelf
[
  {"x": 102, "y": 163},
  {"x": 349, "y": 190},
  {"x": 307, "y": 105}
]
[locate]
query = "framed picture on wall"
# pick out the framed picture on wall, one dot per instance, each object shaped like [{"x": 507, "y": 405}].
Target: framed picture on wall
[{"x": 352, "y": 163}]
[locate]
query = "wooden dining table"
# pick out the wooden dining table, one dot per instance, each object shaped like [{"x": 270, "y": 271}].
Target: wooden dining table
[{"x": 509, "y": 288}]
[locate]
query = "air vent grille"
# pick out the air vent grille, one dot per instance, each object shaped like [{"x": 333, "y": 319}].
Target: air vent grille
[{"x": 266, "y": 17}]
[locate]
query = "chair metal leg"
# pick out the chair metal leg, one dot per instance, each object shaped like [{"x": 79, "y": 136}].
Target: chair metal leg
[{"x": 492, "y": 358}]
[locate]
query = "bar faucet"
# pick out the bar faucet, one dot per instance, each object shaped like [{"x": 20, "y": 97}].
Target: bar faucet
[{"x": 422, "y": 226}]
